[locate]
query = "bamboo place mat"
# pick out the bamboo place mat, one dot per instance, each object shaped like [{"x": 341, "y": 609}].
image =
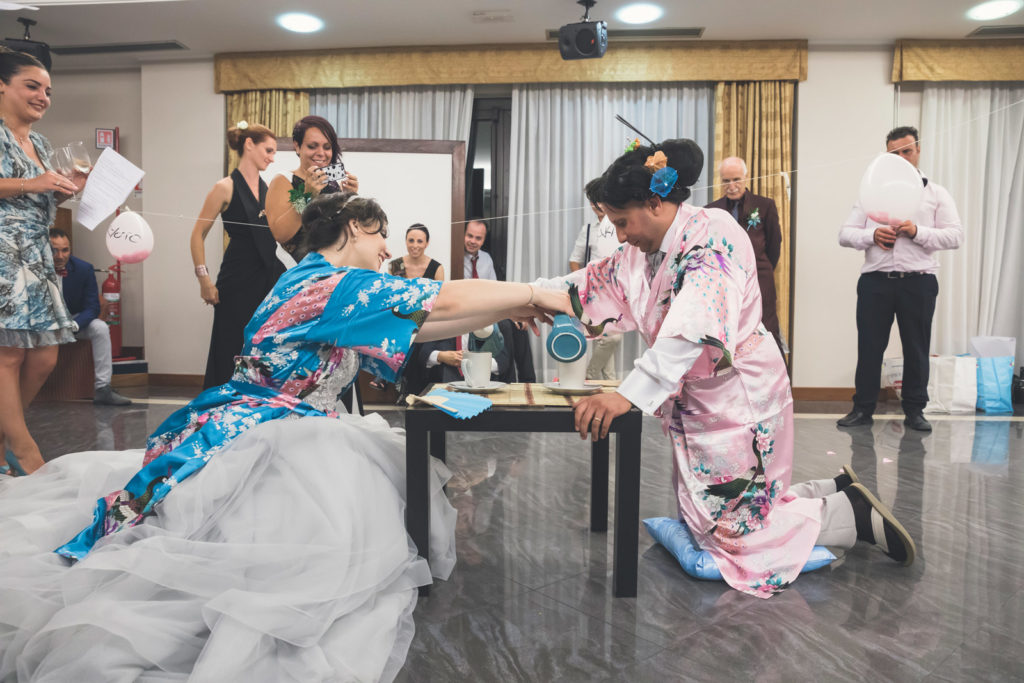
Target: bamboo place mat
[{"x": 534, "y": 394}]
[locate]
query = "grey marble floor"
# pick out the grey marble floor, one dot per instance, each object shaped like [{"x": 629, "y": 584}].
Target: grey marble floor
[{"x": 530, "y": 598}]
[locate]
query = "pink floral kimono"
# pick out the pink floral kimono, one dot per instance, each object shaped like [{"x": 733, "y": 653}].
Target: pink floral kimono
[{"x": 731, "y": 416}]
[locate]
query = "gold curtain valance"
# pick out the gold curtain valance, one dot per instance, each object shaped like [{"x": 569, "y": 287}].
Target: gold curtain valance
[
  {"x": 371, "y": 67},
  {"x": 278, "y": 110},
  {"x": 958, "y": 60}
]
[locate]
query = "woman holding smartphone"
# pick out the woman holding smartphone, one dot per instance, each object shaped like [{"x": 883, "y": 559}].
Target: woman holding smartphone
[{"x": 316, "y": 143}]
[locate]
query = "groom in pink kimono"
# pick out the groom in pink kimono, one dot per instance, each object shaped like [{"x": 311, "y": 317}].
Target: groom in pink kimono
[{"x": 687, "y": 280}]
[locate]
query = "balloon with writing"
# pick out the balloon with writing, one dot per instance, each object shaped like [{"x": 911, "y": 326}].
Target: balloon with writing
[
  {"x": 891, "y": 190},
  {"x": 129, "y": 238}
]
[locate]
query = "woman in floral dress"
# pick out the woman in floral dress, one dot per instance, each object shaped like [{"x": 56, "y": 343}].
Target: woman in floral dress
[
  {"x": 33, "y": 317},
  {"x": 264, "y": 537}
]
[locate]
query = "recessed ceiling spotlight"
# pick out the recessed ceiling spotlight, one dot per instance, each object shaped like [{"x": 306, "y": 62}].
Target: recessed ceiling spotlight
[
  {"x": 300, "y": 22},
  {"x": 994, "y": 9},
  {"x": 639, "y": 13}
]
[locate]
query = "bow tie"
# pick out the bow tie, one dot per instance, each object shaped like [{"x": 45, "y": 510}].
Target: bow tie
[{"x": 63, "y": 272}]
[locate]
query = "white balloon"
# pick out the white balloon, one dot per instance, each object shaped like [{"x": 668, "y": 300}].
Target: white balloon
[
  {"x": 891, "y": 190},
  {"x": 129, "y": 238}
]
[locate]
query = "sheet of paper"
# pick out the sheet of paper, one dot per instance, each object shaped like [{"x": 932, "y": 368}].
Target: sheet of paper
[{"x": 111, "y": 181}]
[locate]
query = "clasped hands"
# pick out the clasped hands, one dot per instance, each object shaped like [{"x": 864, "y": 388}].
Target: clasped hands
[{"x": 886, "y": 235}]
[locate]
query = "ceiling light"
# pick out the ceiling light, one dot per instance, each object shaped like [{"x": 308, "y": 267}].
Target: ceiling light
[
  {"x": 639, "y": 13},
  {"x": 994, "y": 9},
  {"x": 300, "y": 22}
]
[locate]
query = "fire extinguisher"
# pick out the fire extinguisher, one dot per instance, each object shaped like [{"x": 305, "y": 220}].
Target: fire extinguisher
[{"x": 112, "y": 295}]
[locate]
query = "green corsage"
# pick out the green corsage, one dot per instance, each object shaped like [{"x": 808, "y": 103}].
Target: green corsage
[{"x": 299, "y": 198}]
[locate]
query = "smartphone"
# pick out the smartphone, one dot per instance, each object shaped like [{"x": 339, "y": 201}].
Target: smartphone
[{"x": 336, "y": 172}]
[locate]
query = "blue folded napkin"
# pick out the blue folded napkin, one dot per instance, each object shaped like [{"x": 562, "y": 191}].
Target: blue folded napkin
[{"x": 457, "y": 404}]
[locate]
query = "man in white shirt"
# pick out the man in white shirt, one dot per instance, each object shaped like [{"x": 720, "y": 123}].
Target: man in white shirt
[
  {"x": 593, "y": 243},
  {"x": 478, "y": 263},
  {"x": 898, "y": 281}
]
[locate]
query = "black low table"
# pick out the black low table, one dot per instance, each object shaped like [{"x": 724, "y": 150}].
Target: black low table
[{"x": 427, "y": 425}]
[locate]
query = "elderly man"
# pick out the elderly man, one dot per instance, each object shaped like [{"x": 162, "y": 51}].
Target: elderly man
[
  {"x": 478, "y": 263},
  {"x": 78, "y": 286},
  {"x": 898, "y": 281},
  {"x": 759, "y": 217}
]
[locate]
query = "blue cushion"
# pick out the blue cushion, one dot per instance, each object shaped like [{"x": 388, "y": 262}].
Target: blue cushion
[{"x": 699, "y": 564}]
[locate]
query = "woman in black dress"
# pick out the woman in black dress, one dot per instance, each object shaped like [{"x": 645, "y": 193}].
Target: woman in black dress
[
  {"x": 250, "y": 267},
  {"x": 416, "y": 263},
  {"x": 316, "y": 143}
]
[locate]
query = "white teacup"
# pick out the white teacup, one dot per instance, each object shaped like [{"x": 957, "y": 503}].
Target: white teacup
[
  {"x": 572, "y": 375},
  {"x": 476, "y": 368}
]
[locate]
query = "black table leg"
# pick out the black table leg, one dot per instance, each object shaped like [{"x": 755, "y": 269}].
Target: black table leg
[
  {"x": 627, "y": 509},
  {"x": 438, "y": 446},
  {"x": 417, "y": 491},
  {"x": 599, "y": 485}
]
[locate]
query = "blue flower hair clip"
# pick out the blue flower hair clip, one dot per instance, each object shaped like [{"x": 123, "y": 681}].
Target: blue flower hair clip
[{"x": 663, "y": 180}]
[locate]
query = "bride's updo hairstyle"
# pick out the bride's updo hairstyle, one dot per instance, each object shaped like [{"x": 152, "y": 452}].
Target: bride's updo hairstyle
[
  {"x": 326, "y": 219},
  {"x": 628, "y": 181}
]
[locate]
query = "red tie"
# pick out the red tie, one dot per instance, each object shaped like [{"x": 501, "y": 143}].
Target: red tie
[{"x": 472, "y": 259}]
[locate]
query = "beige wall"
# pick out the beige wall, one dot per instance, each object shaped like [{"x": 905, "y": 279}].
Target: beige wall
[
  {"x": 183, "y": 155},
  {"x": 83, "y": 102},
  {"x": 845, "y": 108}
]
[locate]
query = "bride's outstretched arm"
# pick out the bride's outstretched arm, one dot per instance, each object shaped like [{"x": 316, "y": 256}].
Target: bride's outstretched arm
[{"x": 466, "y": 305}]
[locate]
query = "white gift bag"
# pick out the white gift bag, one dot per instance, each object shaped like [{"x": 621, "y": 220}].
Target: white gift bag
[
  {"x": 892, "y": 375},
  {"x": 952, "y": 384}
]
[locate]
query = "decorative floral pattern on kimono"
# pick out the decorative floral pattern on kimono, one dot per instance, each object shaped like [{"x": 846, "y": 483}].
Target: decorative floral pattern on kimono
[
  {"x": 730, "y": 419},
  {"x": 298, "y": 341}
]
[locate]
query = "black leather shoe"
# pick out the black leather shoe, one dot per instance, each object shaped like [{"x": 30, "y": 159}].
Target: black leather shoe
[
  {"x": 856, "y": 418},
  {"x": 917, "y": 422}
]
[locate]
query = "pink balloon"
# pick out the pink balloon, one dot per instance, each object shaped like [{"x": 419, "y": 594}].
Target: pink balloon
[
  {"x": 129, "y": 238},
  {"x": 891, "y": 190}
]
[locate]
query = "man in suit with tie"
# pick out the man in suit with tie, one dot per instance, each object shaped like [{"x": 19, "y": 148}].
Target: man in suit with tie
[
  {"x": 759, "y": 217},
  {"x": 478, "y": 263},
  {"x": 78, "y": 286}
]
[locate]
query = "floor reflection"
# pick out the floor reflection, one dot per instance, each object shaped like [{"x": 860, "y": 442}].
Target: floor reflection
[{"x": 530, "y": 599}]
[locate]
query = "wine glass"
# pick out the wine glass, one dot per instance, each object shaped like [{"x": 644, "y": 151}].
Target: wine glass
[
  {"x": 63, "y": 162},
  {"x": 80, "y": 157}
]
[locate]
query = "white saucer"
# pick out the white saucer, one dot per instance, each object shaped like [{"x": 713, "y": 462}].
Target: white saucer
[
  {"x": 554, "y": 387},
  {"x": 490, "y": 388}
]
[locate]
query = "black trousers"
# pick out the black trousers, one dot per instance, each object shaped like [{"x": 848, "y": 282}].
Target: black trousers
[{"x": 911, "y": 301}]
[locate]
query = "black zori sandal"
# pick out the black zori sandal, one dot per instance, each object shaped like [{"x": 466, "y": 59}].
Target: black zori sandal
[
  {"x": 846, "y": 478},
  {"x": 877, "y": 525}
]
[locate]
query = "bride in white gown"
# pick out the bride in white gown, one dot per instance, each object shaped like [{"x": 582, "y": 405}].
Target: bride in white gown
[{"x": 285, "y": 556}]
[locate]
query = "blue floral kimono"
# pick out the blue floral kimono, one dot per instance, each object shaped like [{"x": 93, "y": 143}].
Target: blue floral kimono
[{"x": 303, "y": 347}]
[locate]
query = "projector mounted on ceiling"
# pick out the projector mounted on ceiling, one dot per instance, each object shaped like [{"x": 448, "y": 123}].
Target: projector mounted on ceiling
[
  {"x": 40, "y": 51},
  {"x": 586, "y": 39}
]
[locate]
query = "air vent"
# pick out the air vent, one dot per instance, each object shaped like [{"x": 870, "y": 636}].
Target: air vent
[
  {"x": 491, "y": 16},
  {"x": 114, "y": 48},
  {"x": 644, "y": 33},
  {"x": 997, "y": 32}
]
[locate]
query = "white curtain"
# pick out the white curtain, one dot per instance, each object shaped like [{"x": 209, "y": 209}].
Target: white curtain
[
  {"x": 410, "y": 113},
  {"x": 972, "y": 143},
  {"x": 563, "y": 136}
]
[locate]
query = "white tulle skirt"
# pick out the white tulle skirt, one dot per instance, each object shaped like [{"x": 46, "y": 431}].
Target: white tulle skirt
[{"x": 284, "y": 559}]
